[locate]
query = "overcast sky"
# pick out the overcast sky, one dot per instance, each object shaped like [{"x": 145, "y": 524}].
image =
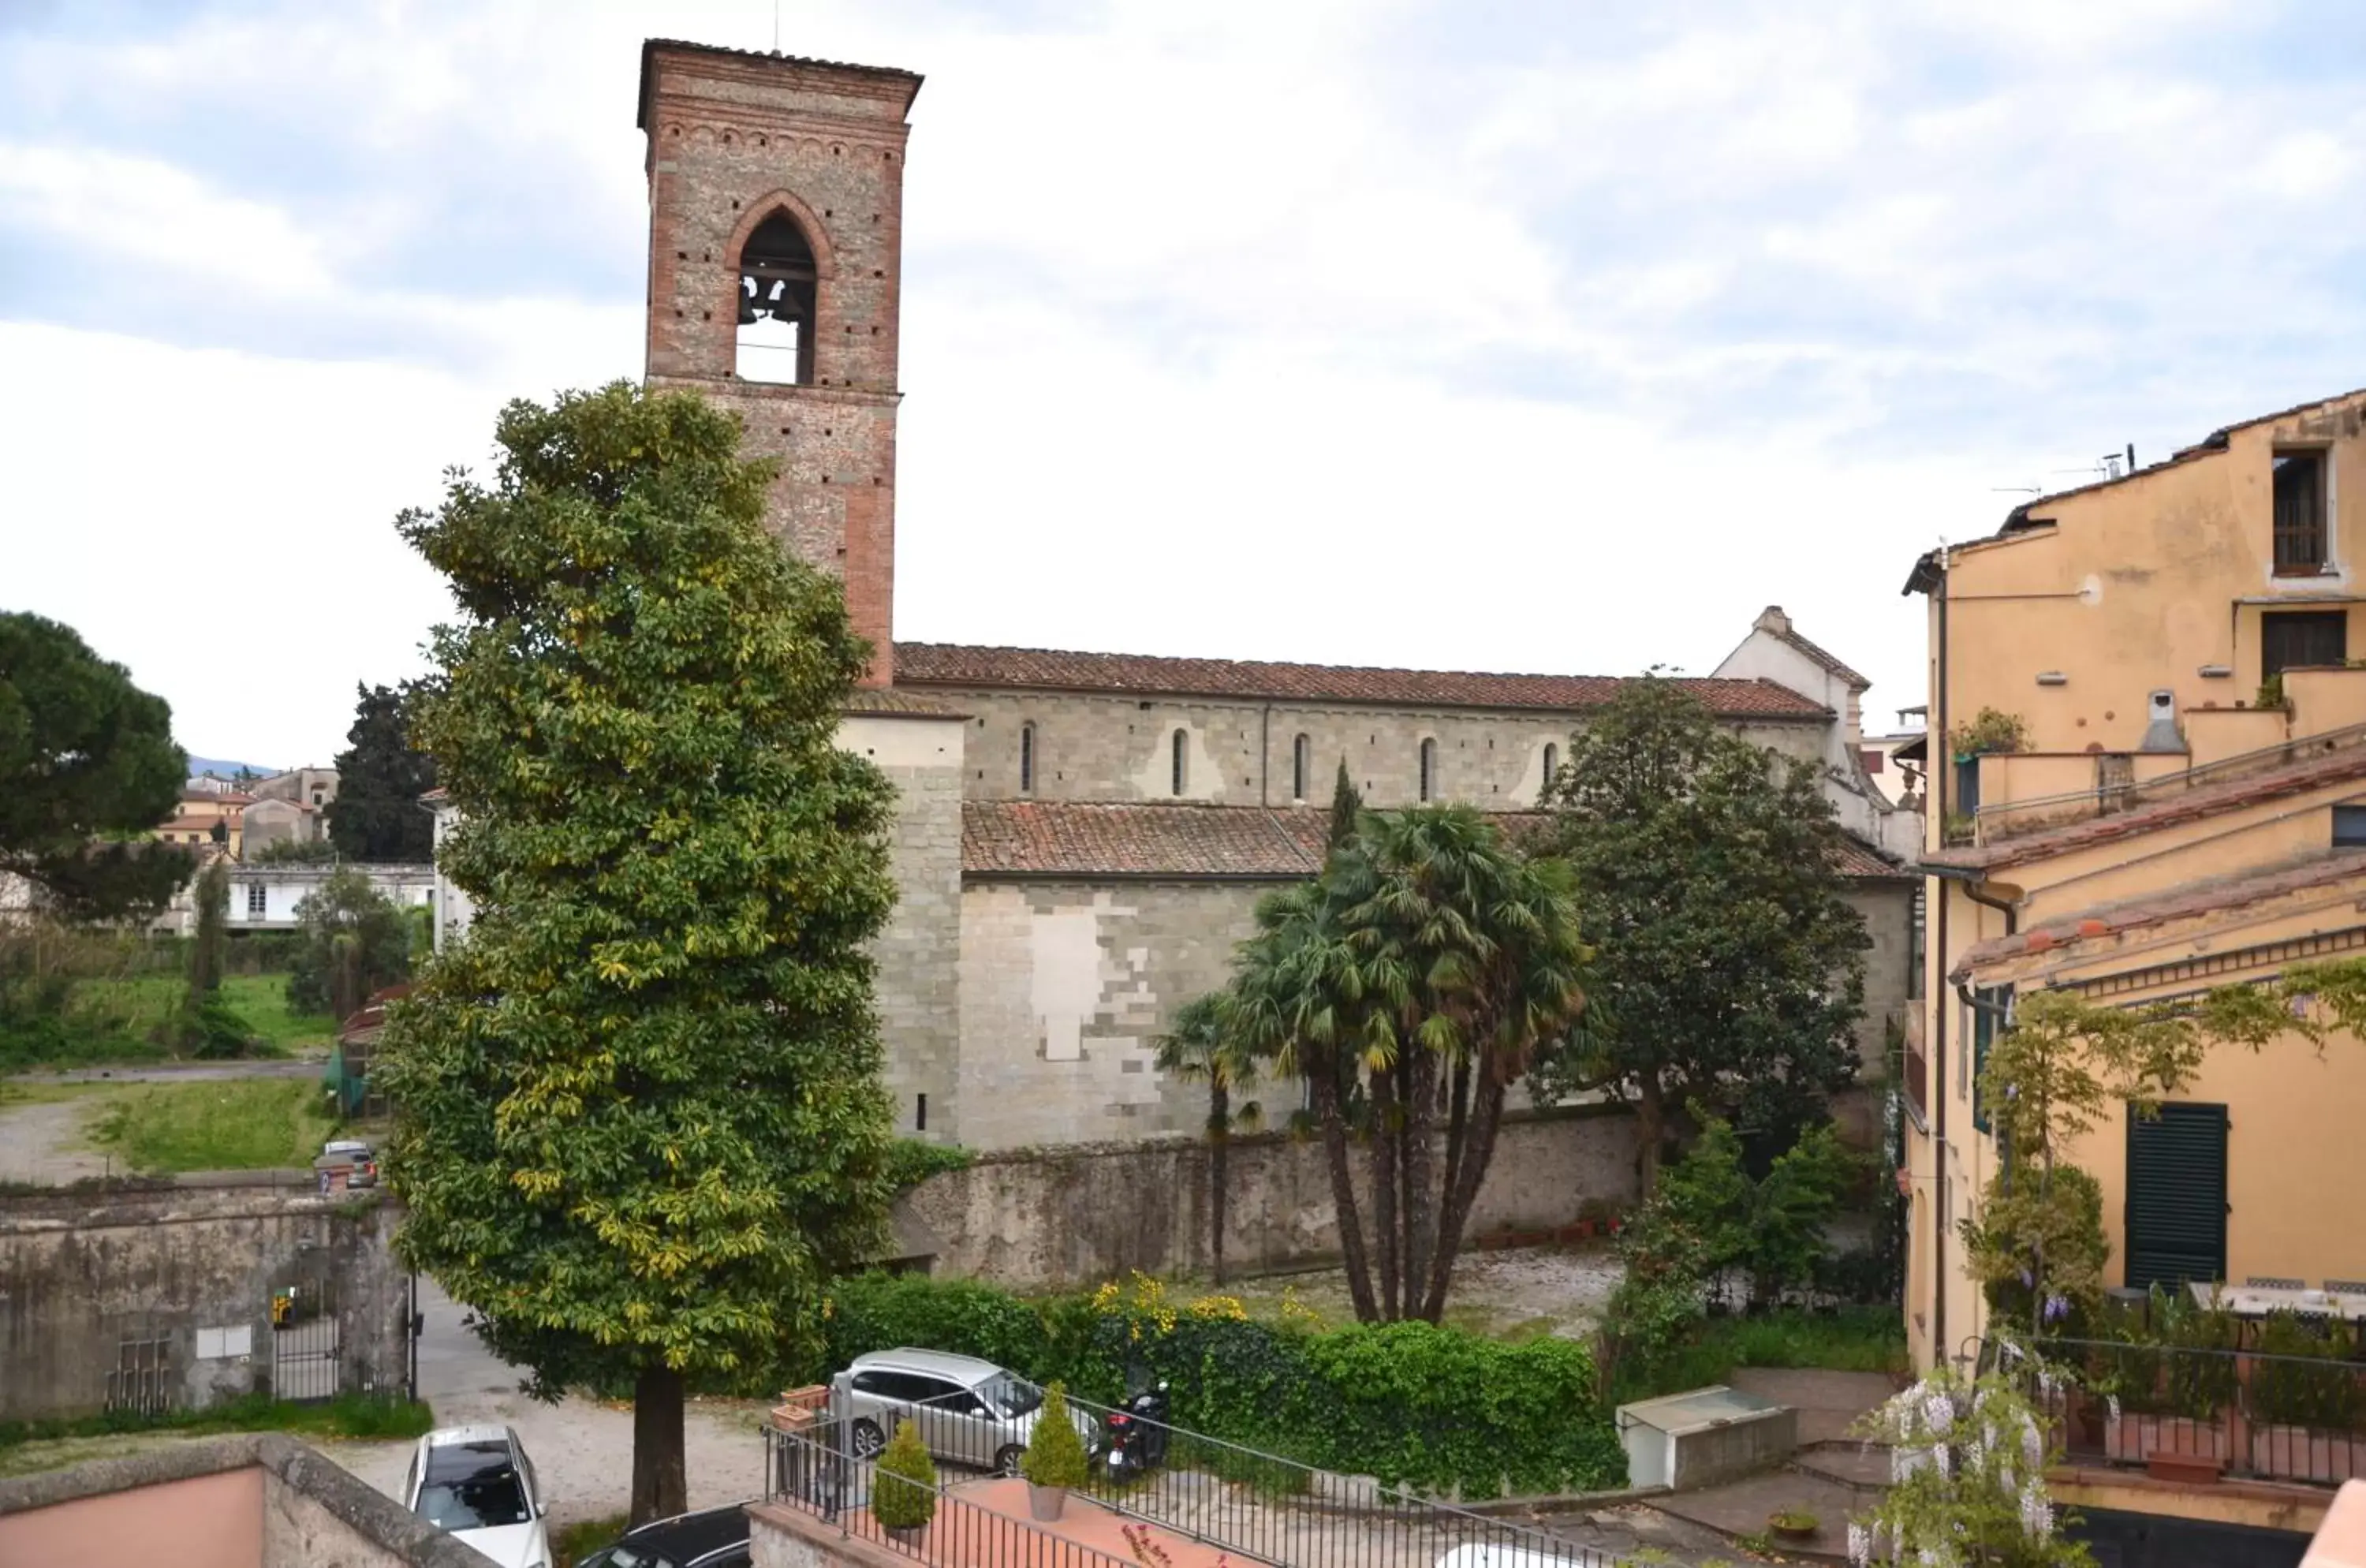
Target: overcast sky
[{"x": 1543, "y": 337}]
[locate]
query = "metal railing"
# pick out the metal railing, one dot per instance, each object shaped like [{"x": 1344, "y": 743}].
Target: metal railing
[
  {"x": 2273, "y": 1417},
  {"x": 1246, "y": 1503},
  {"x": 2101, "y": 799},
  {"x": 818, "y": 1474}
]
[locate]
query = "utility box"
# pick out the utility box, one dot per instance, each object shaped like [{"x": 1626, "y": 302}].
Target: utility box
[{"x": 1703, "y": 1436}]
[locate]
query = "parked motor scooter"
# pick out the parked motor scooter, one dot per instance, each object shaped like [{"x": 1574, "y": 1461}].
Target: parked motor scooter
[{"x": 1138, "y": 1432}]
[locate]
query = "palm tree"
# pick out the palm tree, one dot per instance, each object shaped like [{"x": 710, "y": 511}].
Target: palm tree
[
  {"x": 1428, "y": 962},
  {"x": 1201, "y": 1050}
]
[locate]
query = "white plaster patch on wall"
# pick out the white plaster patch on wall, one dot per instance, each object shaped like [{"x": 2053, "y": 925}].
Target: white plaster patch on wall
[
  {"x": 1203, "y": 777},
  {"x": 1531, "y": 782},
  {"x": 1063, "y": 951}
]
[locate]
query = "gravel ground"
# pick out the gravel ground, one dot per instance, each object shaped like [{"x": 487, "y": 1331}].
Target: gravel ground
[
  {"x": 41, "y": 1141},
  {"x": 1512, "y": 1294}
]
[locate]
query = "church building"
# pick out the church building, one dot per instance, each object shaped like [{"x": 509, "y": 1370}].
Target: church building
[{"x": 1080, "y": 837}]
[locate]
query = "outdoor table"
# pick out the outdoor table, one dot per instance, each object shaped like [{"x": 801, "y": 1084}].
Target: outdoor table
[{"x": 2259, "y": 1301}]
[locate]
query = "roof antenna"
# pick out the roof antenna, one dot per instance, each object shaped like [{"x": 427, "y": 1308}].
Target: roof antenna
[{"x": 776, "y": 26}]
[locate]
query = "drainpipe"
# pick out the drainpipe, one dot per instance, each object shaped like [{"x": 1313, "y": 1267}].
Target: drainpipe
[
  {"x": 1942, "y": 781},
  {"x": 1971, "y": 884}
]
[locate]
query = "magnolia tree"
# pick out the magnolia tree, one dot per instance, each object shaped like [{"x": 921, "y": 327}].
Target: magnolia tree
[{"x": 1967, "y": 1472}]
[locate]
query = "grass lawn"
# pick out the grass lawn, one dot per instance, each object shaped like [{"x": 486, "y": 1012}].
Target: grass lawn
[
  {"x": 27, "y": 1447},
  {"x": 1853, "y": 1339},
  {"x": 128, "y": 1011},
  {"x": 228, "y": 1124}
]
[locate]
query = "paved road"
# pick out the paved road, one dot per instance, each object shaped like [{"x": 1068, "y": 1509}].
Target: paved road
[
  {"x": 580, "y": 1447},
  {"x": 183, "y": 1072}
]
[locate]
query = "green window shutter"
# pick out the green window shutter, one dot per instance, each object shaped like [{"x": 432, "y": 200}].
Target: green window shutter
[
  {"x": 1986, "y": 1023},
  {"x": 2177, "y": 1196}
]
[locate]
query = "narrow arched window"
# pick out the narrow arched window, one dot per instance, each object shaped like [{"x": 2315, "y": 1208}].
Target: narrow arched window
[
  {"x": 1552, "y": 766},
  {"x": 1428, "y": 770},
  {"x": 1180, "y": 779},
  {"x": 1027, "y": 759},
  {"x": 1301, "y": 766},
  {"x": 777, "y": 284}
]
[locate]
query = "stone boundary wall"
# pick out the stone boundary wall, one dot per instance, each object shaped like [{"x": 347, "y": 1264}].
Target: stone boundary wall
[
  {"x": 104, "y": 1277},
  {"x": 1042, "y": 1219}
]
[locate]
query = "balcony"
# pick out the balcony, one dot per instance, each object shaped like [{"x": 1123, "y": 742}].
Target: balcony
[
  {"x": 2197, "y": 1415},
  {"x": 2024, "y": 793}
]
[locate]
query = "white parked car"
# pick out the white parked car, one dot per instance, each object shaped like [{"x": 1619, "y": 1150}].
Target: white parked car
[{"x": 477, "y": 1482}]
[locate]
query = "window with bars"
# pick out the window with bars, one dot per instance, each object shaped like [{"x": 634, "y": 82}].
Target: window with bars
[
  {"x": 2296, "y": 639},
  {"x": 1428, "y": 770},
  {"x": 1301, "y": 766},
  {"x": 1027, "y": 759},
  {"x": 1181, "y": 762},
  {"x": 2302, "y": 546},
  {"x": 256, "y": 900}
]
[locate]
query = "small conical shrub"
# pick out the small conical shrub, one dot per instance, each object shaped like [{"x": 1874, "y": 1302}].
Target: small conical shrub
[
  {"x": 1055, "y": 1455},
  {"x": 904, "y": 1490}
]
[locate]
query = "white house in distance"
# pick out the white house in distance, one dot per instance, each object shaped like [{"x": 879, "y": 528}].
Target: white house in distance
[
  {"x": 1775, "y": 651},
  {"x": 453, "y": 909},
  {"x": 264, "y": 898}
]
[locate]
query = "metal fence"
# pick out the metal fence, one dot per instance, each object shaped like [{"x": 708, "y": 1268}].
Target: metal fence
[
  {"x": 1250, "y": 1504},
  {"x": 2277, "y": 1417},
  {"x": 820, "y": 1474}
]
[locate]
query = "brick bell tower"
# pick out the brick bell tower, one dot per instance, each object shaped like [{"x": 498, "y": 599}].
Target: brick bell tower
[{"x": 776, "y": 203}]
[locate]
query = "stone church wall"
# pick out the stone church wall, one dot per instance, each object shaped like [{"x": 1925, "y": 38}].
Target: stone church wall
[
  {"x": 918, "y": 954},
  {"x": 1064, "y": 987},
  {"x": 1239, "y": 753},
  {"x": 1079, "y": 1215}
]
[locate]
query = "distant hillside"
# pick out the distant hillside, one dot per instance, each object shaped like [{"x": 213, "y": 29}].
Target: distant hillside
[{"x": 227, "y": 769}]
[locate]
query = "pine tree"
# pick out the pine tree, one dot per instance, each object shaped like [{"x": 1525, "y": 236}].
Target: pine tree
[{"x": 381, "y": 774}]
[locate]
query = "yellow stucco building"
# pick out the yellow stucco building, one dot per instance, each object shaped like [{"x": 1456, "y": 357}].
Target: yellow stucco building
[{"x": 2183, "y": 805}]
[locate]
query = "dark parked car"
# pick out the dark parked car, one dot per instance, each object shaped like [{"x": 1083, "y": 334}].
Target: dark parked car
[{"x": 714, "y": 1538}]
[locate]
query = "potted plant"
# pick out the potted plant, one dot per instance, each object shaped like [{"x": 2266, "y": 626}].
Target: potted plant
[
  {"x": 1054, "y": 1460},
  {"x": 2307, "y": 1403},
  {"x": 1793, "y": 1525},
  {"x": 904, "y": 1488}
]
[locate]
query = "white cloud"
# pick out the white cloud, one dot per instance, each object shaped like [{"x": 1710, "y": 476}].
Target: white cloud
[{"x": 1347, "y": 331}]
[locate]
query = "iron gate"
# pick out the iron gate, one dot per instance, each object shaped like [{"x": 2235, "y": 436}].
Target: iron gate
[
  {"x": 140, "y": 1381},
  {"x": 304, "y": 1349}
]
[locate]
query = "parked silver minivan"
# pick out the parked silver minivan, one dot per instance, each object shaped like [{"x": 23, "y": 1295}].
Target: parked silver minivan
[{"x": 968, "y": 1411}]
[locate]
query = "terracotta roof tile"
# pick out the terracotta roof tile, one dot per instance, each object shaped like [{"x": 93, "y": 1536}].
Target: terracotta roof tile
[
  {"x": 874, "y": 702},
  {"x": 1079, "y": 837},
  {"x": 950, "y": 664},
  {"x": 2174, "y": 904},
  {"x": 1083, "y": 838},
  {"x": 2209, "y": 800},
  {"x": 1825, "y": 659}
]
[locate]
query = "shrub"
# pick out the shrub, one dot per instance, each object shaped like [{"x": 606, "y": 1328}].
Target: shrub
[
  {"x": 911, "y": 1161},
  {"x": 1480, "y": 1413},
  {"x": 903, "y": 1489},
  {"x": 1055, "y": 1455},
  {"x": 2313, "y": 1381}
]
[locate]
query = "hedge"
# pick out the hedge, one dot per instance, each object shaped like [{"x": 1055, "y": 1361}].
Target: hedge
[{"x": 1433, "y": 1409}]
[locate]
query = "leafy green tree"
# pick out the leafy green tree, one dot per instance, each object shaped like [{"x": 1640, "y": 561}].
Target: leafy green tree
[
  {"x": 206, "y": 1025},
  {"x": 293, "y": 851},
  {"x": 353, "y": 941},
  {"x": 381, "y": 774},
  {"x": 1732, "y": 967},
  {"x": 639, "y": 1117},
  {"x": 1199, "y": 1049},
  {"x": 1427, "y": 962},
  {"x": 91, "y": 769}
]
